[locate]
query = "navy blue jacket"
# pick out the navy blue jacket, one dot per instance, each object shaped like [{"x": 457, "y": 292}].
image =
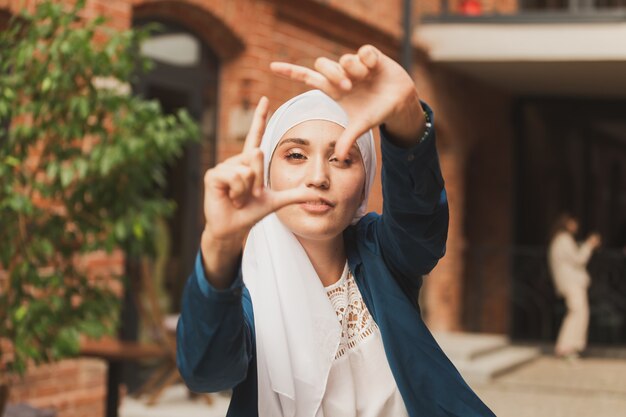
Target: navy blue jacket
[{"x": 388, "y": 254}]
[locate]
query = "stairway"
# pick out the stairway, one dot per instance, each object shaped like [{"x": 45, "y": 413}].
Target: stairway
[{"x": 482, "y": 357}]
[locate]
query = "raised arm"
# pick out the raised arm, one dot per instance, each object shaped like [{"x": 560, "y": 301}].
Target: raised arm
[
  {"x": 375, "y": 90},
  {"x": 413, "y": 228},
  {"x": 215, "y": 330},
  {"x": 566, "y": 249}
]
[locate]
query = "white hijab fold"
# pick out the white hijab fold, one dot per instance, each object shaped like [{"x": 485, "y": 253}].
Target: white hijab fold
[{"x": 297, "y": 331}]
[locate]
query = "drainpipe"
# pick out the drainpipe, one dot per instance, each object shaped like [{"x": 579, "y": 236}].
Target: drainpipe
[{"x": 407, "y": 49}]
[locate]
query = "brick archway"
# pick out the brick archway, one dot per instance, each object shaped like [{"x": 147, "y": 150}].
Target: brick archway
[{"x": 209, "y": 28}]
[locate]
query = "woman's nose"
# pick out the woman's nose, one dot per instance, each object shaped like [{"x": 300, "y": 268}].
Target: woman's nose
[{"x": 318, "y": 175}]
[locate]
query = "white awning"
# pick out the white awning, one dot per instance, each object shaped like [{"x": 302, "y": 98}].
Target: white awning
[{"x": 545, "y": 58}]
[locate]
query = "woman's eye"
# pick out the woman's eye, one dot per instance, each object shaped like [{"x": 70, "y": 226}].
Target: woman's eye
[
  {"x": 346, "y": 162},
  {"x": 295, "y": 155}
]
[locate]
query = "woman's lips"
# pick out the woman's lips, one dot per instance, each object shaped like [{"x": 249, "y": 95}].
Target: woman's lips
[{"x": 321, "y": 206}]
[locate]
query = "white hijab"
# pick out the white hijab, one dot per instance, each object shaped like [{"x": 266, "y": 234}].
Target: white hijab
[{"x": 297, "y": 331}]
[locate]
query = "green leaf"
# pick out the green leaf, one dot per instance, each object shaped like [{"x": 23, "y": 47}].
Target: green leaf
[
  {"x": 66, "y": 343},
  {"x": 20, "y": 313},
  {"x": 65, "y": 47},
  {"x": 12, "y": 161},
  {"x": 120, "y": 231},
  {"x": 81, "y": 167},
  {"x": 138, "y": 230},
  {"x": 4, "y": 109},
  {"x": 53, "y": 170},
  {"x": 67, "y": 175},
  {"x": 19, "y": 203},
  {"x": 8, "y": 93},
  {"x": 46, "y": 84},
  {"x": 47, "y": 249}
]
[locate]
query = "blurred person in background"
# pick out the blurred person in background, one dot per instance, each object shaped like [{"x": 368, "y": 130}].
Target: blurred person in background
[
  {"x": 568, "y": 265},
  {"x": 318, "y": 315}
]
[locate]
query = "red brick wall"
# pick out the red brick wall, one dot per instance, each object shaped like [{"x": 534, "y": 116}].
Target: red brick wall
[
  {"x": 442, "y": 292},
  {"x": 386, "y": 15},
  {"x": 75, "y": 388},
  {"x": 488, "y": 212},
  {"x": 474, "y": 137}
]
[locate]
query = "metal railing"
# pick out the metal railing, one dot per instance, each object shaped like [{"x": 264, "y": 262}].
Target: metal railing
[
  {"x": 528, "y": 11},
  {"x": 521, "y": 275}
]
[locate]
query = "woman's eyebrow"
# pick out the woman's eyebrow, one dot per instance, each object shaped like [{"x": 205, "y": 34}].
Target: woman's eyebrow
[
  {"x": 306, "y": 142},
  {"x": 333, "y": 143},
  {"x": 298, "y": 141}
]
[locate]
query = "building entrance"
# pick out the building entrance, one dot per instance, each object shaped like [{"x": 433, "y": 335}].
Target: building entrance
[{"x": 570, "y": 156}]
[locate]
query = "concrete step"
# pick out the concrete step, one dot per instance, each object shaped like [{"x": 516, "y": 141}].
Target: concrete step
[
  {"x": 481, "y": 357},
  {"x": 464, "y": 347},
  {"x": 484, "y": 368}
]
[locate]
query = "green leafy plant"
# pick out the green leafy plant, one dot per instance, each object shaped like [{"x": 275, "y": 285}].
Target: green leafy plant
[{"x": 82, "y": 162}]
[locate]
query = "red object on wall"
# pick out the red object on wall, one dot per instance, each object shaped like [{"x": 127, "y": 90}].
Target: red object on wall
[{"x": 471, "y": 7}]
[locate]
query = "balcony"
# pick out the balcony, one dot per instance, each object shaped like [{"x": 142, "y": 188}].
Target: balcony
[
  {"x": 545, "y": 47},
  {"x": 526, "y": 11}
]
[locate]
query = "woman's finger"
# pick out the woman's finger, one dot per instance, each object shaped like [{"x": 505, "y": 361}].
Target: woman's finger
[
  {"x": 254, "y": 160},
  {"x": 307, "y": 76},
  {"x": 256, "y": 164},
  {"x": 241, "y": 196},
  {"x": 369, "y": 56},
  {"x": 255, "y": 134},
  {"x": 228, "y": 179},
  {"x": 353, "y": 67},
  {"x": 280, "y": 199},
  {"x": 333, "y": 72},
  {"x": 353, "y": 131},
  {"x": 272, "y": 201},
  {"x": 238, "y": 159}
]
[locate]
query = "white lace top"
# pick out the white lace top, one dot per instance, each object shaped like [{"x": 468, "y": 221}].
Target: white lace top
[{"x": 360, "y": 383}]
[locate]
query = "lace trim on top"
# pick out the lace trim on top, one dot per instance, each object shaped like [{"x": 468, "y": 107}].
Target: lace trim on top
[{"x": 354, "y": 317}]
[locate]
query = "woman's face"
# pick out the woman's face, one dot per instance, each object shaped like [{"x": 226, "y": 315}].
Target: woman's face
[
  {"x": 572, "y": 225},
  {"x": 305, "y": 156}
]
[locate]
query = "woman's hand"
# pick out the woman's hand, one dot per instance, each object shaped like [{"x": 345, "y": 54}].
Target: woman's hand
[
  {"x": 235, "y": 199},
  {"x": 372, "y": 89},
  {"x": 594, "y": 240}
]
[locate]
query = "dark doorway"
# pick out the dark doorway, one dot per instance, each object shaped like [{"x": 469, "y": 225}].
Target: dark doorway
[
  {"x": 570, "y": 156},
  {"x": 185, "y": 76}
]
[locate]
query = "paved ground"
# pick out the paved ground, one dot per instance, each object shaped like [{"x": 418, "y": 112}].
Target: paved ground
[
  {"x": 176, "y": 403},
  {"x": 547, "y": 387},
  {"x": 555, "y": 388}
]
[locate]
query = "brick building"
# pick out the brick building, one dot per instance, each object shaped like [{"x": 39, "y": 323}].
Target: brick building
[{"x": 213, "y": 58}]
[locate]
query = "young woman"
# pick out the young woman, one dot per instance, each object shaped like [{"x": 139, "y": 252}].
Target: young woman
[
  {"x": 568, "y": 264},
  {"x": 319, "y": 317}
]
